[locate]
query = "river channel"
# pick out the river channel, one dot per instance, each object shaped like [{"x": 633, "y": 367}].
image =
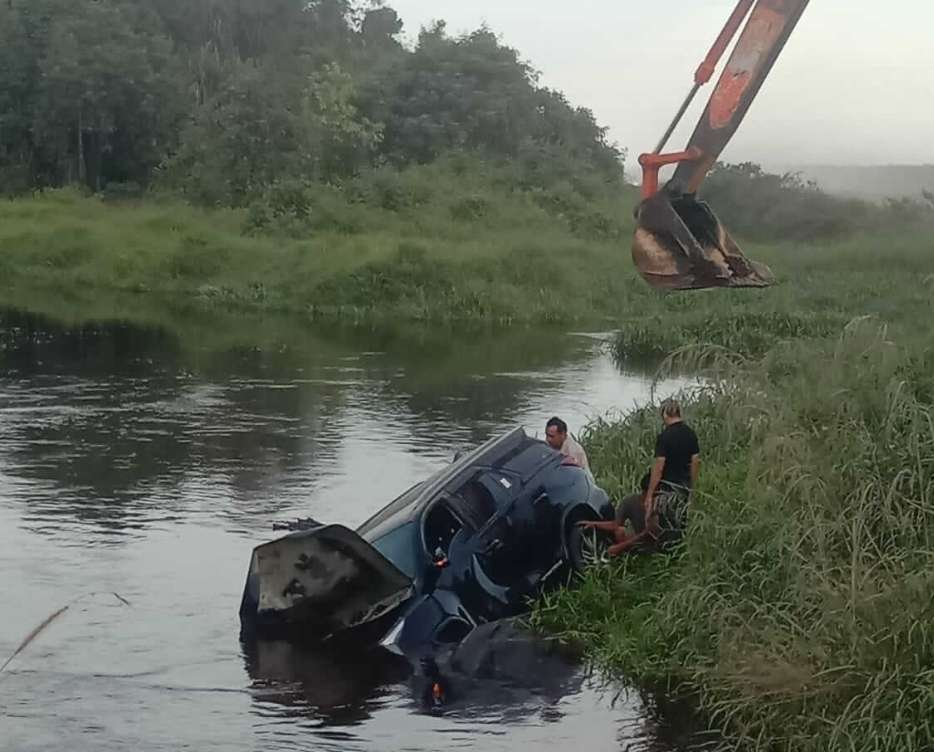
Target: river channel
[{"x": 138, "y": 463}]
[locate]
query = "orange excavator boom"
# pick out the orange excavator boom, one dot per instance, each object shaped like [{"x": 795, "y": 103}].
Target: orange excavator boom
[{"x": 679, "y": 242}]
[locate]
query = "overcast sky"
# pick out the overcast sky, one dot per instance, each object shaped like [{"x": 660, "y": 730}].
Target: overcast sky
[{"x": 854, "y": 84}]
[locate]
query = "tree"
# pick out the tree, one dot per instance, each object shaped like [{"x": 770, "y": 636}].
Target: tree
[
  {"x": 19, "y": 74},
  {"x": 474, "y": 93},
  {"x": 264, "y": 127},
  {"x": 380, "y": 26},
  {"x": 89, "y": 90},
  {"x": 339, "y": 139},
  {"x": 240, "y": 140},
  {"x": 227, "y": 96},
  {"x": 453, "y": 94}
]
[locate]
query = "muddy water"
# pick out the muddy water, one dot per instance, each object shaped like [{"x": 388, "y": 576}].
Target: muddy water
[{"x": 135, "y": 463}]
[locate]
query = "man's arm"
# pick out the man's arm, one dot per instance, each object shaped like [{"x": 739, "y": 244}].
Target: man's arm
[{"x": 695, "y": 470}]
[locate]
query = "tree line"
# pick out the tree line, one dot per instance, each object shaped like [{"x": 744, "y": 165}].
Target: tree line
[{"x": 221, "y": 98}]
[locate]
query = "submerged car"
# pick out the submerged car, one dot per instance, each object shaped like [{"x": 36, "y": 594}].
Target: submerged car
[{"x": 469, "y": 545}]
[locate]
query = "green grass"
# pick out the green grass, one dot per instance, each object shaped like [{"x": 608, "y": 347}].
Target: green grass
[
  {"x": 423, "y": 245},
  {"x": 800, "y": 609},
  {"x": 446, "y": 242},
  {"x": 821, "y": 287}
]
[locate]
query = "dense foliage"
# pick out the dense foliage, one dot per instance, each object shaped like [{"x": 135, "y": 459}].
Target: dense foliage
[
  {"x": 221, "y": 98},
  {"x": 757, "y": 204}
]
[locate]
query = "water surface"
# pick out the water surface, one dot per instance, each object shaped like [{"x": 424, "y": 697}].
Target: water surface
[{"x": 135, "y": 462}]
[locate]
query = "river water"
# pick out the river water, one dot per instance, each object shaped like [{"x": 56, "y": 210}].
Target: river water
[{"x": 135, "y": 463}]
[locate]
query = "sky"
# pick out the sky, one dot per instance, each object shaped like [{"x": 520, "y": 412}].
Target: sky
[{"x": 854, "y": 84}]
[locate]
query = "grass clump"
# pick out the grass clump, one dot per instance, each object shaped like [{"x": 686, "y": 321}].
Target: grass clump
[{"x": 799, "y": 609}]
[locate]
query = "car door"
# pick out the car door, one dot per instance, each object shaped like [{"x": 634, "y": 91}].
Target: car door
[{"x": 500, "y": 547}]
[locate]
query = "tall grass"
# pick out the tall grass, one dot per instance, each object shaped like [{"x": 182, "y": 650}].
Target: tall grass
[
  {"x": 433, "y": 243},
  {"x": 800, "y": 608},
  {"x": 821, "y": 286},
  {"x": 459, "y": 240}
]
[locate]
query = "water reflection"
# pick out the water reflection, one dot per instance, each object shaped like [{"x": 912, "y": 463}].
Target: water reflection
[
  {"x": 331, "y": 686},
  {"x": 350, "y": 700}
]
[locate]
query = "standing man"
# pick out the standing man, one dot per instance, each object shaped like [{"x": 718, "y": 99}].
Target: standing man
[
  {"x": 556, "y": 434},
  {"x": 660, "y": 511},
  {"x": 674, "y": 473}
]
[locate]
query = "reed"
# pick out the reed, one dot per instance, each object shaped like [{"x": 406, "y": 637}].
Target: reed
[{"x": 48, "y": 621}]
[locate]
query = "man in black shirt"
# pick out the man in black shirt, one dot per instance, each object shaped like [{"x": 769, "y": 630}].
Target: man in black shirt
[
  {"x": 674, "y": 474},
  {"x": 661, "y": 508},
  {"x": 677, "y": 454}
]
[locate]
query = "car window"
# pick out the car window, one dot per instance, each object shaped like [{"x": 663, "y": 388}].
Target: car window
[
  {"x": 479, "y": 499},
  {"x": 400, "y": 505},
  {"x": 400, "y": 546}
]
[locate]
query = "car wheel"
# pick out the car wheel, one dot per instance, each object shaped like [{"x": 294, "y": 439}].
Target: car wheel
[{"x": 585, "y": 547}]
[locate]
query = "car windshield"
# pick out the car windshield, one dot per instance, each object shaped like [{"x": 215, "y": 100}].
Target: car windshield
[
  {"x": 400, "y": 547},
  {"x": 399, "y": 506}
]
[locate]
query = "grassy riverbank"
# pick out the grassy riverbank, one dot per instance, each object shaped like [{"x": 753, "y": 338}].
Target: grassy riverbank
[
  {"x": 432, "y": 245},
  {"x": 799, "y": 610},
  {"x": 822, "y": 286},
  {"x": 425, "y": 244}
]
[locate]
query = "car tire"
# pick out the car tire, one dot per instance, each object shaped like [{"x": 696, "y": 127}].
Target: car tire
[{"x": 584, "y": 547}]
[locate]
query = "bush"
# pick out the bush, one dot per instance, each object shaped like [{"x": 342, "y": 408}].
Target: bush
[
  {"x": 296, "y": 209},
  {"x": 756, "y": 204},
  {"x": 470, "y": 208},
  {"x": 585, "y": 216},
  {"x": 390, "y": 189},
  {"x": 127, "y": 191}
]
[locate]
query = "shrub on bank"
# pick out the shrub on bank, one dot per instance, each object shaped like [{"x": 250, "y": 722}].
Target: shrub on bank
[{"x": 754, "y": 203}]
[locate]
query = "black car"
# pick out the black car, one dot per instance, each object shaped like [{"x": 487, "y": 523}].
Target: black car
[{"x": 467, "y": 546}]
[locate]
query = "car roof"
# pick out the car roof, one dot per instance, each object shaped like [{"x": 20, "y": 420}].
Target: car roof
[{"x": 512, "y": 452}]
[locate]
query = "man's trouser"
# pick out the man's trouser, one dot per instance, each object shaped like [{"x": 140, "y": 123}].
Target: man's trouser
[{"x": 671, "y": 507}]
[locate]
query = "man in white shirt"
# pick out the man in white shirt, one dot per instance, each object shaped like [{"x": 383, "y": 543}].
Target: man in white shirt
[{"x": 556, "y": 434}]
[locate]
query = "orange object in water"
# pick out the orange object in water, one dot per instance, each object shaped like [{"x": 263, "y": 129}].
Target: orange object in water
[{"x": 679, "y": 243}]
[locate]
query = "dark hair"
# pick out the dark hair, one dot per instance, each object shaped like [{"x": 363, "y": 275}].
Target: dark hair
[{"x": 557, "y": 423}]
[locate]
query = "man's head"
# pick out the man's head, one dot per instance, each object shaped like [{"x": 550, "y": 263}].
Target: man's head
[
  {"x": 556, "y": 433},
  {"x": 671, "y": 412}
]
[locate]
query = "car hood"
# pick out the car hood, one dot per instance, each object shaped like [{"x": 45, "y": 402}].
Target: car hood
[{"x": 327, "y": 579}]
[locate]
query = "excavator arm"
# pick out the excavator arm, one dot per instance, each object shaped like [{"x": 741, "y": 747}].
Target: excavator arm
[{"x": 679, "y": 242}]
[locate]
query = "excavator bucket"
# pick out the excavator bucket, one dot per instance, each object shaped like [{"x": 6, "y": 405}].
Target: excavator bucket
[{"x": 680, "y": 244}]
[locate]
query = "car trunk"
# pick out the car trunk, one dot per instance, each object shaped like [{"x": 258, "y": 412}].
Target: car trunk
[{"x": 325, "y": 580}]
